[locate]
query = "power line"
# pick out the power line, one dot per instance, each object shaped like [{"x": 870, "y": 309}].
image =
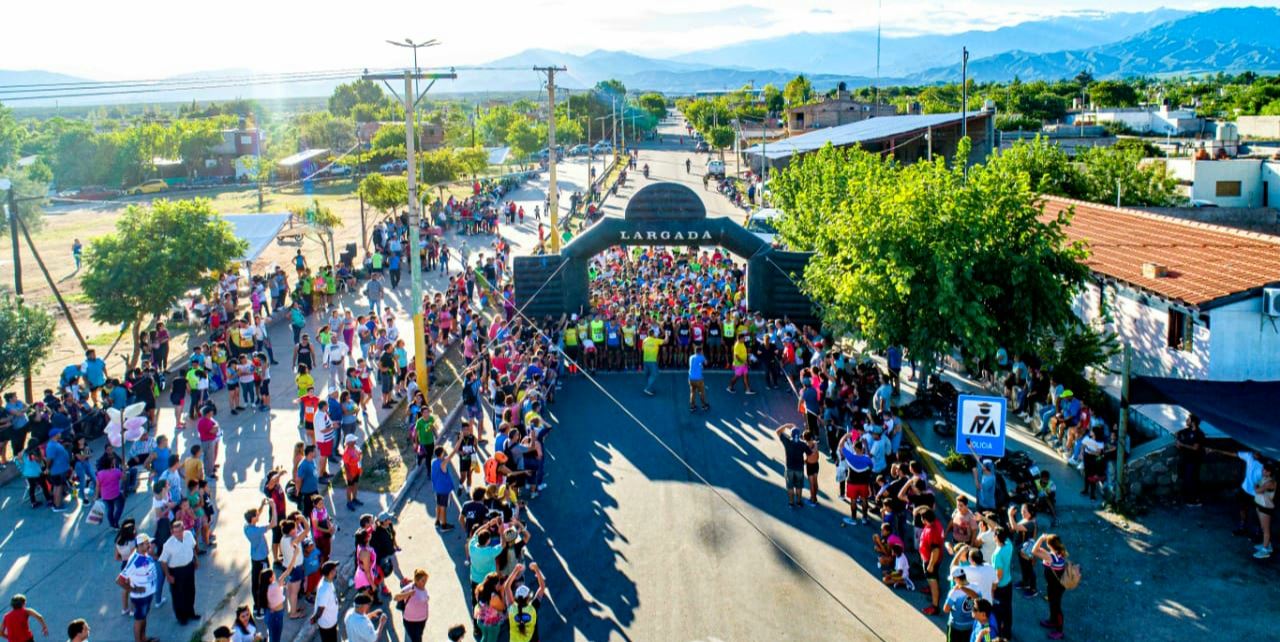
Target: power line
[
  {"x": 99, "y": 84},
  {"x": 192, "y": 86}
]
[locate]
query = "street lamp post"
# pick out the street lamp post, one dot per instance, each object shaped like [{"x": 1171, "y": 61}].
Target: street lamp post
[{"x": 415, "y": 259}]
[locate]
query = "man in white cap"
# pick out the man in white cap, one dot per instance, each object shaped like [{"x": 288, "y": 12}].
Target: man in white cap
[{"x": 139, "y": 576}]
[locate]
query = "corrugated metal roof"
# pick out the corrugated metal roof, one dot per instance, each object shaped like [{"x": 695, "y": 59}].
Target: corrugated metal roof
[
  {"x": 862, "y": 131},
  {"x": 1205, "y": 262}
]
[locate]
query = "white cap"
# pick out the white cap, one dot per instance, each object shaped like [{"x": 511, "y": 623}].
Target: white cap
[{"x": 523, "y": 591}]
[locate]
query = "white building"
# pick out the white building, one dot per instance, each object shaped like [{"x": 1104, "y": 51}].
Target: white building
[
  {"x": 1187, "y": 297},
  {"x": 1238, "y": 182},
  {"x": 1145, "y": 120}
]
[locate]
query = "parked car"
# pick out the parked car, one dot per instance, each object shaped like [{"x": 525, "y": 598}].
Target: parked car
[
  {"x": 715, "y": 168},
  {"x": 702, "y": 146},
  {"x": 394, "y": 166},
  {"x": 602, "y": 148},
  {"x": 579, "y": 150},
  {"x": 338, "y": 170},
  {"x": 148, "y": 187},
  {"x": 764, "y": 224}
]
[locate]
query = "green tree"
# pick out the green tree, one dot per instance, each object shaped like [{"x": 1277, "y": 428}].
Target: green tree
[
  {"x": 1104, "y": 170},
  {"x": 155, "y": 256},
  {"x": 720, "y": 138},
  {"x": 321, "y": 223},
  {"x": 1047, "y": 168},
  {"x": 10, "y": 137},
  {"x": 323, "y": 130},
  {"x": 1113, "y": 93},
  {"x": 654, "y": 103},
  {"x": 799, "y": 91},
  {"x": 384, "y": 194},
  {"x": 30, "y": 192},
  {"x": 26, "y": 334},
  {"x": 773, "y": 100},
  {"x": 472, "y": 160},
  {"x": 389, "y": 135},
  {"x": 922, "y": 257},
  {"x": 611, "y": 87},
  {"x": 523, "y": 139},
  {"x": 439, "y": 167},
  {"x": 346, "y": 96},
  {"x": 193, "y": 140}
]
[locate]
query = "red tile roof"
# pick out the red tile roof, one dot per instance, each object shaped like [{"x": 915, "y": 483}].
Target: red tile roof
[{"x": 1205, "y": 262}]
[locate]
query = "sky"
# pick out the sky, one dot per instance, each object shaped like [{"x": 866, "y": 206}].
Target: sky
[{"x": 144, "y": 39}]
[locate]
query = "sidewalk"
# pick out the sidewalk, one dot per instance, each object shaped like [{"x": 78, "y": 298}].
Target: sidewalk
[
  {"x": 1020, "y": 436},
  {"x": 65, "y": 566}
]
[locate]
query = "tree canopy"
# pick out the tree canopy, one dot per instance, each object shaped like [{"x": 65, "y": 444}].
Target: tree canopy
[
  {"x": 1095, "y": 174},
  {"x": 919, "y": 256},
  {"x": 799, "y": 91},
  {"x": 153, "y": 258},
  {"x": 26, "y": 334}
]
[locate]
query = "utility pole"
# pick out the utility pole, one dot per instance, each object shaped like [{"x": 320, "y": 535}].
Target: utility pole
[
  {"x": 553, "y": 197},
  {"x": 613, "y": 124},
  {"x": 6, "y": 184},
  {"x": 964, "y": 92},
  {"x": 415, "y": 259},
  {"x": 1123, "y": 427}
]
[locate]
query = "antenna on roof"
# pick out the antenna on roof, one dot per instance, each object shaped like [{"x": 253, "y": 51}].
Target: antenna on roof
[{"x": 879, "y": 20}]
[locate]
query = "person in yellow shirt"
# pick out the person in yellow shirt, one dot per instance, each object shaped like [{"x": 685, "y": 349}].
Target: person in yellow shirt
[
  {"x": 650, "y": 348},
  {"x": 741, "y": 363}
]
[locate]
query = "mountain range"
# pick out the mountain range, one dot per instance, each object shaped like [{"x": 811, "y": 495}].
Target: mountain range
[{"x": 1158, "y": 42}]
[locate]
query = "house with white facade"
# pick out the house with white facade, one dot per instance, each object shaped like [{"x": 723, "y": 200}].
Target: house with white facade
[
  {"x": 1192, "y": 300},
  {"x": 1151, "y": 119},
  {"x": 1230, "y": 182}
]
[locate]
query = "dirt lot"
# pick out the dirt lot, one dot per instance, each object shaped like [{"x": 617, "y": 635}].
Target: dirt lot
[{"x": 63, "y": 224}]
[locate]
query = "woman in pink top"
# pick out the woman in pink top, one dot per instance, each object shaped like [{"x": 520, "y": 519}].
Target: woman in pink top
[
  {"x": 109, "y": 477},
  {"x": 416, "y": 606}
]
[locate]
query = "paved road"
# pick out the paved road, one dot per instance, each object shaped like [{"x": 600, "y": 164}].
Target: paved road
[
  {"x": 666, "y": 157},
  {"x": 636, "y": 547},
  {"x": 64, "y": 565}
]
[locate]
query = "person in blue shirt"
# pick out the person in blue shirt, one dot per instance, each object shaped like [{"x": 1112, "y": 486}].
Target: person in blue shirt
[
  {"x": 95, "y": 373},
  {"x": 442, "y": 486},
  {"x": 308, "y": 478},
  {"x": 697, "y": 384},
  {"x": 893, "y": 359},
  {"x": 59, "y": 469},
  {"x": 117, "y": 395},
  {"x": 959, "y": 607},
  {"x": 985, "y": 626},
  {"x": 258, "y": 551}
]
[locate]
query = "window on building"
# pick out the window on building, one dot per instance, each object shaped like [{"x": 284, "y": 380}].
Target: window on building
[
  {"x": 1227, "y": 188},
  {"x": 1180, "y": 330}
]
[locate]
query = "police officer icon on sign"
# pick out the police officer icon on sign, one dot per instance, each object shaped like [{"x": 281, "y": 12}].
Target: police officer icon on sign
[{"x": 982, "y": 425}]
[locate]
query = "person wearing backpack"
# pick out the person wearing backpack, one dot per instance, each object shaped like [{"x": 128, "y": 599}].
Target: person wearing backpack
[{"x": 1059, "y": 577}]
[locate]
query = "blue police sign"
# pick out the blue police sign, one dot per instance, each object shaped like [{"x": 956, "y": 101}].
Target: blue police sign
[{"x": 980, "y": 425}]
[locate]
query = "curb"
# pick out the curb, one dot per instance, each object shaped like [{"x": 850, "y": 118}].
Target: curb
[{"x": 949, "y": 491}]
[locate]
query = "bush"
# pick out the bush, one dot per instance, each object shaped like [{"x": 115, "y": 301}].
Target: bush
[{"x": 954, "y": 461}]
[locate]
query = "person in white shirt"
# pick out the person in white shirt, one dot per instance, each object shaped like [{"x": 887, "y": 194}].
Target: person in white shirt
[
  {"x": 139, "y": 577},
  {"x": 360, "y": 627},
  {"x": 325, "y": 615},
  {"x": 178, "y": 559},
  {"x": 291, "y": 557},
  {"x": 982, "y": 576}
]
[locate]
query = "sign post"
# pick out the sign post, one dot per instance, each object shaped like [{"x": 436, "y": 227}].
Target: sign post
[{"x": 980, "y": 425}]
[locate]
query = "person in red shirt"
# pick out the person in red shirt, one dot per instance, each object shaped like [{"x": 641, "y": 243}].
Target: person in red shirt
[
  {"x": 932, "y": 539},
  {"x": 208, "y": 431},
  {"x": 310, "y": 403},
  {"x": 351, "y": 468},
  {"x": 16, "y": 626}
]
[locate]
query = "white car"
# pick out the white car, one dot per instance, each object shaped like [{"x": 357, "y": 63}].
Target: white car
[
  {"x": 715, "y": 168},
  {"x": 394, "y": 166},
  {"x": 764, "y": 223},
  {"x": 602, "y": 148}
]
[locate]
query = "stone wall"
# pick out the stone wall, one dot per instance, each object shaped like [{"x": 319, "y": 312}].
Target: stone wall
[{"x": 1151, "y": 472}]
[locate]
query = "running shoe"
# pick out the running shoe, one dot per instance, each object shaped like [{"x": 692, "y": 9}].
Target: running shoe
[
  {"x": 849, "y": 521},
  {"x": 930, "y": 610}
]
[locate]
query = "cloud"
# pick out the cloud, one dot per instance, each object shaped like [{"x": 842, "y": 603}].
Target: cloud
[{"x": 820, "y": 11}]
